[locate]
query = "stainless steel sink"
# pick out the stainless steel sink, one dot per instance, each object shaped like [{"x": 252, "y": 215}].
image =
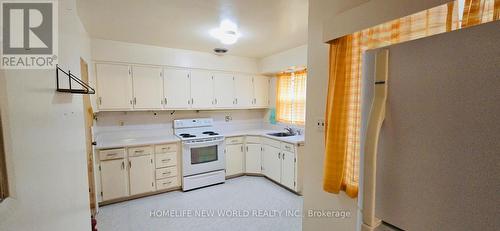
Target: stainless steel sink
[{"x": 281, "y": 134}]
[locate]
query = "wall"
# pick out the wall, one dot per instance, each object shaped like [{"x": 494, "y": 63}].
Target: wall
[
  {"x": 240, "y": 119},
  {"x": 283, "y": 60},
  {"x": 107, "y": 50},
  {"x": 44, "y": 137},
  {"x": 317, "y": 81}
]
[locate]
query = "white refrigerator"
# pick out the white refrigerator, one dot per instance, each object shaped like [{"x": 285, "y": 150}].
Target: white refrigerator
[{"x": 434, "y": 161}]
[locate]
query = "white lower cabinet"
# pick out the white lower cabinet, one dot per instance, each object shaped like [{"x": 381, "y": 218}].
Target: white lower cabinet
[
  {"x": 253, "y": 158},
  {"x": 271, "y": 162},
  {"x": 113, "y": 179},
  {"x": 288, "y": 169},
  {"x": 141, "y": 170},
  {"x": 234, "y": 159},
  {"x": 133, "y": 171}
]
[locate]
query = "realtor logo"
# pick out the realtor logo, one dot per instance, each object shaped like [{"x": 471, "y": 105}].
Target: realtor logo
[{"x": 29, "y": 35}]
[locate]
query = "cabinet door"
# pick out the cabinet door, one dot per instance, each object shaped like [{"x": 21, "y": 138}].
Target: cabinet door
[
  {"x": 148, "y": 90},
  {"x": 114, "y": 87},
  {"x": 271, "y": 162},
  {"x": 176, "y": 89},
  {"x": 202, "y": 89},
  {"x": 113, "y": 179},
  {"x": 142, "y": 174},
  {"x": 253, "y": 159},
  {"x": 243, "y": 91},
  {"x": 261, "y": 91},
  {"x": 288, "y": 169},
  {"x": 223, "y": 90},
  {"x": 234, "y": 159}
]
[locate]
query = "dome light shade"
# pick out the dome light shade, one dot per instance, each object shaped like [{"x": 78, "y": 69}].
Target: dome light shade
[{"x": 227, "y": 33}]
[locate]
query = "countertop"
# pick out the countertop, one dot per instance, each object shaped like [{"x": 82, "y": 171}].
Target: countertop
[
  {"x": 297, "y": 140},
  {"x": 128, "y": 139}
]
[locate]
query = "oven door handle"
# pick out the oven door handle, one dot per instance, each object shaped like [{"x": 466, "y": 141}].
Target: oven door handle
[{"x": 202, "y": 144}]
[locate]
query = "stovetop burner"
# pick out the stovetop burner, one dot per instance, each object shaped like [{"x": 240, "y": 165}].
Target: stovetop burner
[
  {"x": 186, "y": 135},
  {"x": 210, "y": 133}
]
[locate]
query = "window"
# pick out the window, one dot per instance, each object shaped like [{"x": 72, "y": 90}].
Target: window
[
  {"x": 291, "y": 98},
  {"x": 3, "y": 170}
]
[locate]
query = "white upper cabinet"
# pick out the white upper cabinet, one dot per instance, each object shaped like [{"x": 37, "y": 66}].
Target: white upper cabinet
[
  {"x": 261, "y": 91},
  {"x": 114, "y": 87},
  {"x": 223, "y": 90},
  {"x": 202, "y": 89},
  {"x": 148, "y": 90},
  {"x": 243, "y": 88},
  {"x": 176, "y": 89},
  {"x": 122, "y": 87}
]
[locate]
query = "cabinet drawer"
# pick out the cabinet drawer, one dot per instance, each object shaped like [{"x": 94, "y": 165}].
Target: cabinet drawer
[
  {"x": 166, "y": 183},
  {"x": 271, "y": 142},
  {"x": 164, "y": 148},
  {"x": 112, "y": 154},
  {"x": 287, "y": 147},
  {"x": 234, "y": 140},
  {"x": 140, "y": 151},
  {"x": 166, "y": 159},
  {"x": 253, "y": 140},
  {"x": 166, "y": 172}
]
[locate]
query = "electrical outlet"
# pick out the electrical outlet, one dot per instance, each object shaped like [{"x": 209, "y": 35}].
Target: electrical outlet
[
  {"x": 320, "y": 124},
  {"x": 228, "y": 118}
]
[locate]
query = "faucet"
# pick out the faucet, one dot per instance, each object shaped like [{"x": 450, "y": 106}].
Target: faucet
[{"x": 291, "y": 131}]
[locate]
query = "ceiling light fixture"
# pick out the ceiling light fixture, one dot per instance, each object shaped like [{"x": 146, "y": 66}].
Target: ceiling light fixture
[{"x": 227, "y": 33}]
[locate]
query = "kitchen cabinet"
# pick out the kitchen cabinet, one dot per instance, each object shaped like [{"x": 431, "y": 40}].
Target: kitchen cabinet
[
  {"x": 261, "y": 91},
  {"x": 223, "y": 90},
  {"x": 202, "y": 89},
  {"x": 122, "y": 87},
  {"x": 113, "y": 179},
  {"x": 142, "y": 174},
  {"x": 147, "y": 85},
  {"x": 114, "y": 87},
  {"x": 271, "y": 162},
  {"x": 244, "y": 91},
  {"x": 234, "y": 159},
  {"x": 176, "y": 89},
  {"x": 253, "y": 158},
  {"x": 288, "y": 169}
]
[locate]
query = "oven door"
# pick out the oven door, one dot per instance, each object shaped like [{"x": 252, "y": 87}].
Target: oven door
[{"x": 201, "y": 157}]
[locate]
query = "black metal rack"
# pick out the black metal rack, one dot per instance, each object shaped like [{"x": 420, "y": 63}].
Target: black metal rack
[{"x": 86, "y": 88}]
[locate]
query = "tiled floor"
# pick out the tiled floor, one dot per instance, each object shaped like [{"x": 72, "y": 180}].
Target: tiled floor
[{"x": 258, "y": 201}]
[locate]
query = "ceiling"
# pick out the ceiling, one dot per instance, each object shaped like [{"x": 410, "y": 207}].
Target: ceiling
[{"x": 267, "y": 26}]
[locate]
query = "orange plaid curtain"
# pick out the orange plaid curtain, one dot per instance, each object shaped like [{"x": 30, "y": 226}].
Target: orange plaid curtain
[{"x": 291, "y": 97}]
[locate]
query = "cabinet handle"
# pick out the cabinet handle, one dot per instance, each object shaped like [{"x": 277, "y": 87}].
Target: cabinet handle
[
  {"x": 166, "y": 102},
  {"x": 241, "y": 148},
  {"x": 247, "y": 148},
  {"x": 164, "y": 149},
  {"x": 123, "y": 164},
  {"x": 135, "y": 100},
  {"x": 215, "y": 100},
  {"x": 236, "y": 100},
  {"x": 279, "y": 155},
  {"x": 283, "y": 156},
  {"x": 131, "y": 102},
  {"x": 192, "y": 101},
  {"x": 166, "y": 160},
  {"x": 100, "y": 100},
  {"x": 139, "y": 151},
  {"x": 129, "y": 164},
  {"x": 166, "y": 173}
]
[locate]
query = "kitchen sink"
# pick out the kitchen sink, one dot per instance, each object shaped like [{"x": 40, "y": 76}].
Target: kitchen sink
[{"x": 281, "y": 134}]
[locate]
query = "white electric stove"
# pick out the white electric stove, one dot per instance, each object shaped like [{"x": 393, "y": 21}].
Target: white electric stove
[{"x": 203, "y": 161}]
